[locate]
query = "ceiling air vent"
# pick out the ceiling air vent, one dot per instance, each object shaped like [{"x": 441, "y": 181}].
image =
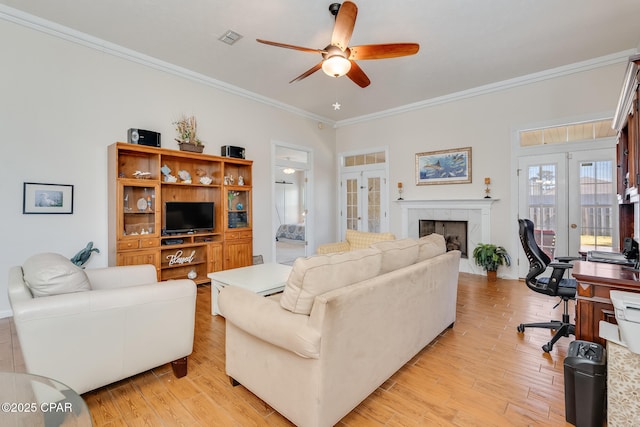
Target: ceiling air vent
[{"x": 230, "y": 37}]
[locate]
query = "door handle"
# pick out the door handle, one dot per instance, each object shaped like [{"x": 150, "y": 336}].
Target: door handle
[{"x": 574, "y": 226}]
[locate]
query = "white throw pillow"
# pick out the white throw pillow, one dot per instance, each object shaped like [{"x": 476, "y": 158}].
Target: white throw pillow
[
  {"x": 319, "y": 274},
  {"x": 431, "y": 246},
  {"x": 52, "y": 274},
  {"x": 397, "y": 254}
]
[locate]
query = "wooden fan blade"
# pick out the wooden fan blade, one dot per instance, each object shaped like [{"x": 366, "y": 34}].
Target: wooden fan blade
[
  {"x": 358, "y": 76},
  {"x": 290, "y": 46},
  {"x": 343, "y": 28},
  {"x": 383, "y": 51},
  {"x": 308, "y": 72}
]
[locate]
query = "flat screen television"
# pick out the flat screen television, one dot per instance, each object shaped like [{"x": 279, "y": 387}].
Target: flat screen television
[{"x": 188, "y": 217}]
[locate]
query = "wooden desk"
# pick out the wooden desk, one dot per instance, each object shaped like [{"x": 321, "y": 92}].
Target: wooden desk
[{"x": 595, "y": 281}]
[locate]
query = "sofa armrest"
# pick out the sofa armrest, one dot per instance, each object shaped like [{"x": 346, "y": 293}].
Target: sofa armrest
[
  {"x": 265, "y": 319},
  {"x": 85, "y": 303},
  {"x": 121, "y": 276},
  {"x": 328, "y": 248}
]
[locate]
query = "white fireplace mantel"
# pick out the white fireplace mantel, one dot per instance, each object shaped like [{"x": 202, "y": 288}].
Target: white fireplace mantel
[{"x": 477, "y": 213}]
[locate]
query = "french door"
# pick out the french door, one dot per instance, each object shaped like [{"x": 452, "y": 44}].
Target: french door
[
  {"x": 571, "y": 199},
  {"x": 363, "y": 201}
]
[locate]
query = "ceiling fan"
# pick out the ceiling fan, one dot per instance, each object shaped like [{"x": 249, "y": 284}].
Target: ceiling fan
[{"x": 338, "y": 58}]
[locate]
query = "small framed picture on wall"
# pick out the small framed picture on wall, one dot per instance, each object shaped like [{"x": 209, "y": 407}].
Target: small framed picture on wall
[{"x": 47, "y": 198}]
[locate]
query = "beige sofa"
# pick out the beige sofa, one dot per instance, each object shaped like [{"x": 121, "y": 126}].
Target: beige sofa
[
  {"x": 343, "y": 325},
  {"x": 89, "y": 328},
  {"x": 354, "y": 240}
]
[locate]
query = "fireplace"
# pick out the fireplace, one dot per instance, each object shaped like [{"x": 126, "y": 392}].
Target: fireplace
[
  {"x": 476, "y": 212},
  {"x": 454, "y": 232}
]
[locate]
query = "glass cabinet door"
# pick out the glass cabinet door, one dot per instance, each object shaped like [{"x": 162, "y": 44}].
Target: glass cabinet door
[
  {"x": 238, "y": 209},
  {"x": 139, "y": 210}
]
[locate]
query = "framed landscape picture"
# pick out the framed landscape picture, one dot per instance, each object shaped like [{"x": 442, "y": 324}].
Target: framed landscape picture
[
  {"x": 47, "y": 198},
  {"x": 444, "y": 167}
]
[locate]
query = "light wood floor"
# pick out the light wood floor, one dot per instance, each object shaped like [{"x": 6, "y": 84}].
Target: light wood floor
[{"x": 479, "y": 373}]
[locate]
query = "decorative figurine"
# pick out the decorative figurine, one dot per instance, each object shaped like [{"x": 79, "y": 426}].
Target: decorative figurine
[
  {"x": 240, "y": 180},
  {"x": 185, "y": 176},
  {"x": 83, "y": 256},
  {"x": 166, "y": 171}
]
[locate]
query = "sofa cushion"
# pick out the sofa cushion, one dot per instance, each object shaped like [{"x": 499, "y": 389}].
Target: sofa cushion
[
  {"x": 319, "y": 274},
  {"x": 431, "y": 246},
  {"x": 52, "y": 274},
  {"x": 397, "y": 253},
  {"x": 364, "y": 239}
]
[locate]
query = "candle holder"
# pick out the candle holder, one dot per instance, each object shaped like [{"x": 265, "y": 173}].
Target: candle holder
[
  {"x": 487, "y": 190},
  {"x": 400, "y": 191}
]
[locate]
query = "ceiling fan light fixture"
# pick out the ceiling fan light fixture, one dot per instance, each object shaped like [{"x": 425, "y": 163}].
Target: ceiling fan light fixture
[{"x": 336, "y": 66}]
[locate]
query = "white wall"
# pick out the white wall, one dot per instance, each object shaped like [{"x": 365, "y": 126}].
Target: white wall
[
  {"x": 62, "y": 104},
  {"x": 485, "y": 123}
]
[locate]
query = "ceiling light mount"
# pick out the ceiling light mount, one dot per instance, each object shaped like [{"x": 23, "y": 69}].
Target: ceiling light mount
[{"x": 334, "y": 8}]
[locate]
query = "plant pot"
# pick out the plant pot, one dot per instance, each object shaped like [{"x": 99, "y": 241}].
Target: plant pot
[
  {"x": 193, "y": 148},
  {"x": 492, "y": 276}
]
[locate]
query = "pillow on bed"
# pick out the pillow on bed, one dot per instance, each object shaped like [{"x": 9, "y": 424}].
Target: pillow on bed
[{"x": 52, "y": 274}]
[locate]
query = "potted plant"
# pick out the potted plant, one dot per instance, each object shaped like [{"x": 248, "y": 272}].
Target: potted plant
[
  {"x": 490, "y": 257},
  {"x": 187, "y": 135}
]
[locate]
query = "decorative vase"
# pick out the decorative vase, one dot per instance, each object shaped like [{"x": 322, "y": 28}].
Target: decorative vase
[
  {"x": 193, "y": 148},
  {"x": 492, "y": 276}
]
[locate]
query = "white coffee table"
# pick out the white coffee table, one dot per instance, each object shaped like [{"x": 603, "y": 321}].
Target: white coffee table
[{"x": 263, "y": 279}]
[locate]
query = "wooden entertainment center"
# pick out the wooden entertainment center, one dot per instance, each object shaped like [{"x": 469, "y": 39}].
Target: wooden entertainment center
[{"x": 142, "y": 179}]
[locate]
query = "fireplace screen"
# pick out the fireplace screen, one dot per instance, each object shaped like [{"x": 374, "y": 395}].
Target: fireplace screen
[{"x": 454, "y": 232}]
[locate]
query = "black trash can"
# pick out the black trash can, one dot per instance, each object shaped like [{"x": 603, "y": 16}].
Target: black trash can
[{"x": 585, "y": 384}]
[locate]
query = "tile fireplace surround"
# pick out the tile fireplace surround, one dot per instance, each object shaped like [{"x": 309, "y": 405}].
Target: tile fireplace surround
[{"x": 477, "y": 213}]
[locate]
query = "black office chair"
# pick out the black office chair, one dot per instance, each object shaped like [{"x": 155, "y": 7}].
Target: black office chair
[{"x": 555, "y": 285}]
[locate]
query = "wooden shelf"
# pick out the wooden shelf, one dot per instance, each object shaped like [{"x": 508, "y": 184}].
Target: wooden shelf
[{"x": 216, "y": 250}]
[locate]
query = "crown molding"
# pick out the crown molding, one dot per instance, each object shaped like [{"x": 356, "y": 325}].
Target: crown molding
[
  {"x": 51, "y": 28},
  {"x": 56, "y": 30},
  {"x": 577, "y": 67}
]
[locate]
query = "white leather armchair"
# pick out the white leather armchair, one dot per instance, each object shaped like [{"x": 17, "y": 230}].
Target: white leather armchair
[{"x": 125, "y": 324}]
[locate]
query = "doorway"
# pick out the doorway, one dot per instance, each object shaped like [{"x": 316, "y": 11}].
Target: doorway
[
  {"x": 570, "y": 196},
  {"x": 364, "y": 192},
  {"x": 292, "y": 171}
]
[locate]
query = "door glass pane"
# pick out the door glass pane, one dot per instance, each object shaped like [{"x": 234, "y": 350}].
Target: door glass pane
[
  {"x": 373, "y": 205},
  {"x": 352, "y": 204},
  {"x": 596, "y": 187},
  {"x": 543, "y": 202}
]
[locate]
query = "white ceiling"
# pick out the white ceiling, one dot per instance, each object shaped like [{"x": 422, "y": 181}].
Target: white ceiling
[{"x": 464, "y": 44}]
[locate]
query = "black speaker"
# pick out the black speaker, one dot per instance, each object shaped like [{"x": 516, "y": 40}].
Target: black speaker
[
  {"x": 231, "y": 151},
  {"x": 143, "y": 137}
]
